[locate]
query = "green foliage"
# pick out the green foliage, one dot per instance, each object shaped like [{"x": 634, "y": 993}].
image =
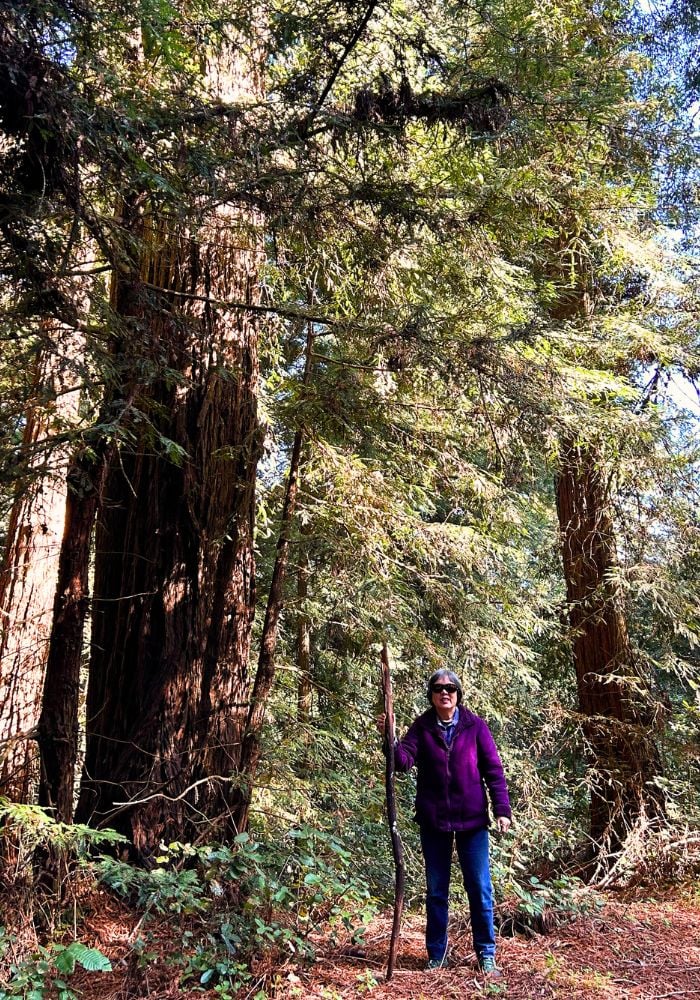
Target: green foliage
[
  {"x": 29, "y": 827},
  {"x": 365, "y": 982},
  {"x": 560, "y": 899},
  {"x": 159, "y": 889},
  {"x": 48, "y": 859},
  {"x": 41, "y": 974},
  {"x": 248, "y": 899},
  {"x": 38, "y": 969},
  {"x": 233, "y": 903},
  {"x": 90, "y": 959},
  {"x": 433, "y": 428}
]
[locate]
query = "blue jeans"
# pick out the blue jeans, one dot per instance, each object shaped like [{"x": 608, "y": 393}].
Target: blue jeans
[{"x": 473, "y": 854}]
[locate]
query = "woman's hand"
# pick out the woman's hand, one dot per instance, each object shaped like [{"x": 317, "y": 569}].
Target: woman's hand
[
  {"x": 381, "y": 723},
  {"x": 502, "y": 824}
]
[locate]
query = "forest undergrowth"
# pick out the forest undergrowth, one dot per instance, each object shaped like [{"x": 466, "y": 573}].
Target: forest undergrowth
[{"x": 297, "y": 917}]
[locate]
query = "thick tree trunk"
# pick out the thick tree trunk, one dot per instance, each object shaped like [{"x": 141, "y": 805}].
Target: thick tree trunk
[
  {"x": 174, "y": 567},
  {"x": 174, "y": 591},
  {"x": 30, "y": 565},
  {"x": 613, "y": 696}
]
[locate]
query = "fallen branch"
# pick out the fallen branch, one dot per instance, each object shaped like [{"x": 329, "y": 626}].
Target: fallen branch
[{"x": 675, "y": 993}]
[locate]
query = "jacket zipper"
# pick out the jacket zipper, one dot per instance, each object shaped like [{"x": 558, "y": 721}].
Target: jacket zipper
[{"x": 447, "y": 790}]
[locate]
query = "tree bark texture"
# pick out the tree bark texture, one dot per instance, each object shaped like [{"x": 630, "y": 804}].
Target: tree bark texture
[
  {"x": 30, "y": 564},
  {"x": 174, "y": 564},
  {"x": 613, "y": 696},
  {"x": 174, "y": 567},
  {"x": 58, "y": 730}
]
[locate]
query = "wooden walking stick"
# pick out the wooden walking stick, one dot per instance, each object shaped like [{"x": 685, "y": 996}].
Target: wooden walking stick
[{"x": 396, "y": 845}]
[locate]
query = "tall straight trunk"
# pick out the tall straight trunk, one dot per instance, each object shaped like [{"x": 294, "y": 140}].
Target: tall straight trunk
[
  {"x": 304, "y": 685},
  {"x": 251, "y": 750},
  {"x": 58, "y": 729},
  {"x": 30, "y": 565},
  {"x": 174, "y": 591},
  {"x": 612, "y": 694},
  {"x": 303, "y": 649}
]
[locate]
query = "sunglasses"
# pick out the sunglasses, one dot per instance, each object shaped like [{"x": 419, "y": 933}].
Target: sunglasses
[{"x": 447, "y": 688}]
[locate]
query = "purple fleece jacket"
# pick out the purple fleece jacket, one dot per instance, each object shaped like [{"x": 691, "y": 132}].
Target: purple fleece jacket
[{"x": 452, "y": 781}]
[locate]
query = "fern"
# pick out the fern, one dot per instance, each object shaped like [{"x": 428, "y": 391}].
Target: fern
[{"x": 77, "y": 953}]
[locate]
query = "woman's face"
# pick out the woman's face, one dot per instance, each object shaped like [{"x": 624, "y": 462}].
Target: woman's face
[{"x": 444, "y": 701}]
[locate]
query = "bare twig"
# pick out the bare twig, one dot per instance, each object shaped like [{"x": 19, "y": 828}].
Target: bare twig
[
  {"x": 674, "y": 993},
  {"x": 396, "y": 845},
  {"x": 289, "y": 311}
]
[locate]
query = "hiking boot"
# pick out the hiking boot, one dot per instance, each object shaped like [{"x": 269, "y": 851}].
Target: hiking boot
[
  {"x": 489, "y": 968},
  {"x": 437, "y": 963}
]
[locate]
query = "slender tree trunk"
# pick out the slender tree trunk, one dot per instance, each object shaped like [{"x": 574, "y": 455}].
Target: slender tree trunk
[
  {"x": 304, "y": 686},
  {"x": 251, "y": 750},
  {"x": 613, "y": 696},
  {"x": 264, "y": 676},
  {"x": 30, "y": 565},
  {"x": 58, "y": 730}
]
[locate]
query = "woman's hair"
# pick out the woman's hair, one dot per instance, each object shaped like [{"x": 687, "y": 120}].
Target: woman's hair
[{"x": 451, "y": 677}]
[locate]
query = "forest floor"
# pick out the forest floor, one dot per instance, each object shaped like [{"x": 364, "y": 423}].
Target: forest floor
[{"x": 643, "y": 948}]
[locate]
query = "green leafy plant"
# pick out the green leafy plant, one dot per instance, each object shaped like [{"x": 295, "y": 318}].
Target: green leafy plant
[
  {"x": 161, "y": 890},
  {"x": 365, "y": 981},
  {"x": 31, "y": 827},
  {"x": 555, "y": 901},
  {"x": 40, "y": 968},
  {"x": 41, "y": 974},
  {"x": 248, "y": 898}
]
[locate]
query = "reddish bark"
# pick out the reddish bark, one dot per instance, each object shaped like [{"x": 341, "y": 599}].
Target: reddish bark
[
  {"x": 30, "y": 565},
  {"x": 58, "y": 730},
  {"x": 612, "y": 692},
  {"x": 174, "y": 564},
  {"x": 174, "y": 567}
]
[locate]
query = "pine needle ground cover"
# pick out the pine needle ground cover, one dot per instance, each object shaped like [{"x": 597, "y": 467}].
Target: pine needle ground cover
[{"x": 646, "y": 949}]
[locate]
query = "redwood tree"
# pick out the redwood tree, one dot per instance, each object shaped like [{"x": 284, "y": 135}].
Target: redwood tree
[
  {"x": 174, "y": 590},
  {"x": 612, "y": 691},
  {"x": 43, "y": 304},
  {"x": 30, "y": 565},
  {"x": 58, "y": 728}
]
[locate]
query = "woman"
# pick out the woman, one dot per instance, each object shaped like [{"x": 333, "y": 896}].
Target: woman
[{"x": 457, "y": 760}]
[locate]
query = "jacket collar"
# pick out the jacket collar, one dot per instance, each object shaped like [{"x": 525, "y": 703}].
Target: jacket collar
[{"x": 466, "y": 718}]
